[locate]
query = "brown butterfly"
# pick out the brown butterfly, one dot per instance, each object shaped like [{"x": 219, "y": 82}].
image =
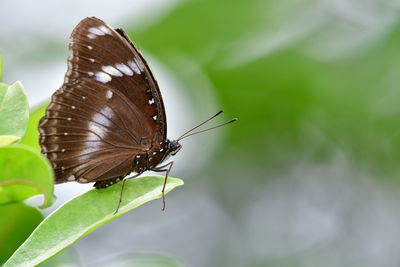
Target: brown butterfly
[{"x": 107, "y": 120}]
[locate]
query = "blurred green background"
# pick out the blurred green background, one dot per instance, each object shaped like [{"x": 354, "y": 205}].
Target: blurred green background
[{"x": 308, "y": 176}]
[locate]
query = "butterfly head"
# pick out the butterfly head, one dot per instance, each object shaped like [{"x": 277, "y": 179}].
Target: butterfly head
[{"x": 174, "y": 147}]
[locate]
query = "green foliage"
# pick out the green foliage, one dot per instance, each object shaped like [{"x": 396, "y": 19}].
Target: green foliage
[
  {"x": 3, "y": 88},
  {"x": 261, "y": 57},
  {"x": 83, "y": 214},
  {"x": 31, "y": 137},
  {"x": 14, "y": 110},
  {"x": 24, "y": 173},
  {"x": 17, "y": 222}
]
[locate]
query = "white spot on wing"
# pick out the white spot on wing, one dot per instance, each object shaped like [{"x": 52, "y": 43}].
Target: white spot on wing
[
  {"x": 71, "y": 178},
  {"x": 124, "y": 68},
  {"x": 109, "y": 94},
  {"x": 134, "y": 67},
  {"x": 155, "y": 117},
  {"x": 82, "y": 180},
  {"x": 97, "y": 130},
  {"x": 96, "y": 31},
  {"x": 91, "y": 59},
  {"x": 91, "y": 35},
  {"x": 102, "y": 77},
  {"x": 90, "y": 47},
  {"x": 111, "y": 70},
  {"x": 90, "y": 73},
  {"x": 151, "y": 101},
  {"x": 104, "y": 29}
]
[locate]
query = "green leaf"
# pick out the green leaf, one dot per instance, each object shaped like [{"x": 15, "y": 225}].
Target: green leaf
[
  {"x": 8, "y": 139},
  {"x": 14, "y": 110},
  {"x": 24, "y": 172},
  {"x": 3, "y": 88},
  {"x": 17, "y": 223},
  {"x": 80, "y": 216},
  {"x": 31, "y": 138}
]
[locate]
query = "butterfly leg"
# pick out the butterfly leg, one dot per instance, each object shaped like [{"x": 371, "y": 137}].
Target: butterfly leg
[
  {"x": 163, "y": 169},
  {"x": 120, "y": 196},
  {"x": 122, "y": 190}
]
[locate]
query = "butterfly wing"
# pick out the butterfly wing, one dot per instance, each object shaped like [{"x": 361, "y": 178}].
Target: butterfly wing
[
  {"x": 161, "y": 122},
  {"x": 108, "y": 109}
]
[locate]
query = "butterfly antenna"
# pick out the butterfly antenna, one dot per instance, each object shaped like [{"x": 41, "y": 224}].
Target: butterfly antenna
[
  {"x": 225, "y": 123},
  {"x": 194, "y": 128}
]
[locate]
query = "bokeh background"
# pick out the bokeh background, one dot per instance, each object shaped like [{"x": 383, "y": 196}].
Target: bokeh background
[{"x": 308, "y": 176}]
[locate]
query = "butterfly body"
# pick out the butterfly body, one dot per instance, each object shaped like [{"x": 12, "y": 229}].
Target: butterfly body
[
  {"x": 107, "y": 120},
  {"x": 146, "y": 160}
]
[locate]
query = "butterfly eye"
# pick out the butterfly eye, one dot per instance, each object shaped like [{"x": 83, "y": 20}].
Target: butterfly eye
[{"x": 175, "y": 147}]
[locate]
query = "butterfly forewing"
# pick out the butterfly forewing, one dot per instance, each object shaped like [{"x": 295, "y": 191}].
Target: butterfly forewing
[
  {"x": 108, "y": 110},
  {"x": 107, "y": 55}
]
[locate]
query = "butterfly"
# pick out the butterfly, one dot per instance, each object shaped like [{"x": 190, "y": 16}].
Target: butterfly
[{"x": 108, "y": 119}]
